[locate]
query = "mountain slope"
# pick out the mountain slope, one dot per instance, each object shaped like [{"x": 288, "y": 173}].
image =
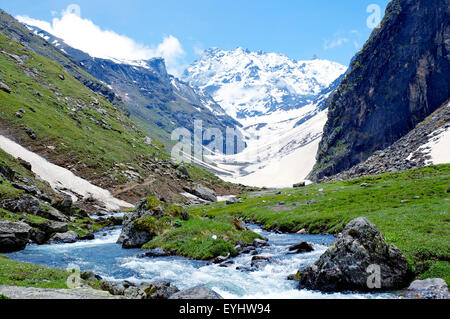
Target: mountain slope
[
  {"x": 248, "y": 84},
  {"x": 400, "y": 77},
  {"x": 281, "y": 104},
  {"x": 51, "y": 113},
  {"x": 156, "y": 100},
  {"x": 17, "y": 31}
]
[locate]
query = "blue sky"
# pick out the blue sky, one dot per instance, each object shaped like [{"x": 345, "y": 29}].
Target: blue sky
[{"x": 330, "y": 29}]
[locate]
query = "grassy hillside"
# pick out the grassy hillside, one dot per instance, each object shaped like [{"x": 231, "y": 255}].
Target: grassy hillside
[
  {"x": 411, "y": 209},
  {"x": 53, "y": 114}
]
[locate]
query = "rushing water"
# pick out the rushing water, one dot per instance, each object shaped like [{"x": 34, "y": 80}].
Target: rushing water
[{"x": 108, "y": 259}]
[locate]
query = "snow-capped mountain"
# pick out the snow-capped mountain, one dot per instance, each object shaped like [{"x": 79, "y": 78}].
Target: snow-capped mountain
[
  {"x": 281, "y": 105},
  {"x": 248, "y": 84}
]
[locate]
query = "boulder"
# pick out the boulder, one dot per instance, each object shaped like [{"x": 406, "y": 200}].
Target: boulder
[
  {"x": 359, "y": 260},
  {"x": 38, "y": 236},
  {"x": 113, "y": 288},
  {"x": 260, "y": 261},
  {"x": 64, "y": 238},
  {"x": 25, "y": 204},
  {"x": 14, "y": 236},
  {"x": 90, "y": 276},
  {"x": 199, "y": 292},
  {"x": 302, "y": 247},
  {"x": 131, "y": 237},
  {"x": 161, "y": 289},
  {"x": 52, "y": 227},
  {"x": 203, "y": 193},
  {"x": 7, "y": 172},
  {"x": 435, "y": 288},
  {"x": 134, "y": 293},
  {"x": 4, "y": 88},
  {"x": 154, "y": 253},
  {"x": 301, "y": 184},
  {"x": 239, "y": 224}
]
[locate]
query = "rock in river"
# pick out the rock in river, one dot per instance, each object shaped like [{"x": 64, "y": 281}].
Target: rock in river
[
  {"x": 14, "y": 236},
  {"x": 359, "y": 260},
  {"x": 199, "y": 292},
  {"x": 435, "y": 288}
]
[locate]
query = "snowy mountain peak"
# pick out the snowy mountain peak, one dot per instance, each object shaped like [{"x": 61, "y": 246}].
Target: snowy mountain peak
[{"x": 248, "y": 84}]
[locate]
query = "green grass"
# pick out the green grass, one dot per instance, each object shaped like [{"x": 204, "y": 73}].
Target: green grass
[
  {"x": 15, "y": 273},
  {"x": 194, "y": 238},
  {"x": 50, "y": 114},
  {"x": 411, "y": 209}
]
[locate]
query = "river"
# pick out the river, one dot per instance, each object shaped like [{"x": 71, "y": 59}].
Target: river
[{"x": 108, "y": 259}]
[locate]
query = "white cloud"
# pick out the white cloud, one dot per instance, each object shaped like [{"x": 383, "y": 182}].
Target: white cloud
[
  {"x": 85, "y": 35},
  {"x": 335, "y": 43}
]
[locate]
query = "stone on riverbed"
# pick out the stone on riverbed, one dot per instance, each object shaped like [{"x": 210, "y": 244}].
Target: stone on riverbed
[
  {"x": 161, "y": 289},
  {"x": 14, "y": 236},
  {"x": 64, "y": 238},
  {"x": 435, "y": 288},
  {"x": 302, "y": 247},
  {"x": 199, "y": 292},
  {"x": 359, "y": 260}
]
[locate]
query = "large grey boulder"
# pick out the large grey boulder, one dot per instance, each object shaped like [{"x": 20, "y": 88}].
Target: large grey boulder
[
  {"x": 64, "y": 238},
  {"x": 203, "y": 193},
  {"x": 134, "y": 293},
  {"x": 435, "y": 288},
  {"x": 52, "y": 227},
  {"x": 14, "y": 236},
  {"x": 161, "y": 289},
  {"x": 199, "y": 292},
  {"x": 359, "y": 260},
  {"x": 131, "y": 235}
]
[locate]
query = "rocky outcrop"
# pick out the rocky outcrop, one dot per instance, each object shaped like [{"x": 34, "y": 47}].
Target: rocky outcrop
[
  {"x": 407, "y": 153},
  {"x": 401, "y": 76},
  {"x": 199, "y": 292},
  {"x": 161, "y": 289},
  {"x": 64, "y": 238},
  {"x": 359, "y": 260},
  {"x": 14, "y": 236},
  {"x": 147, "y": 221},
  {"x": 435, "y": 288},
  {"x": 202, "y": 192}
]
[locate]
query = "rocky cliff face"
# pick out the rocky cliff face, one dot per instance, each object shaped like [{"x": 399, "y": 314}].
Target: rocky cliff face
[
  {"x": 156, "y": 100},
  {"x": 400, "y": 77}
]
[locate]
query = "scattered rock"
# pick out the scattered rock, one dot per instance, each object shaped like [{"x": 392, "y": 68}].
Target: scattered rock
[
  {"x": 233, "y": 200},
  {"x": 203, "y": 193},
  {"x": 199, "y": 292},
  {"x": 154, "y": 253},
  {"x": 31, "y": 133},
  {"x": 239, "y": 224},
  {"x": 260, "y": 261},
  {"x": 38, "y": 236},
  {"x": 301, "y": 184},
  {"x": 5, "y": 88},
  {"x": 161, "y": 289},
  {"x": 134, "y": 293},
  {"x": 90, "y": 276},
  {"x": 14, "y": 236},
  {"x": 358, "y": 253},
  {"x": 88, "y": 236},
  {"x": 260, "y": 242},
  {"x": 61, "y": 77},
  {"x": 435, "y": 288},
  {"x": 302, "y": 232},
  {"x": 66, "y": 238},
  {"x": 112, "y": 287},
  {"x": 365, "y": 185},
  {"x": 52, "y": 227},
  {"x": 302, "y": 247}
]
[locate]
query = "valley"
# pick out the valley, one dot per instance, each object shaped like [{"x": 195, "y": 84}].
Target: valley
[{"x": 333, "y": 184}]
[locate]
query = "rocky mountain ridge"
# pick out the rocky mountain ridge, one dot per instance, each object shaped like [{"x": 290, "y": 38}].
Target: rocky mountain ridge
[{"x": 399, "y": 78}]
